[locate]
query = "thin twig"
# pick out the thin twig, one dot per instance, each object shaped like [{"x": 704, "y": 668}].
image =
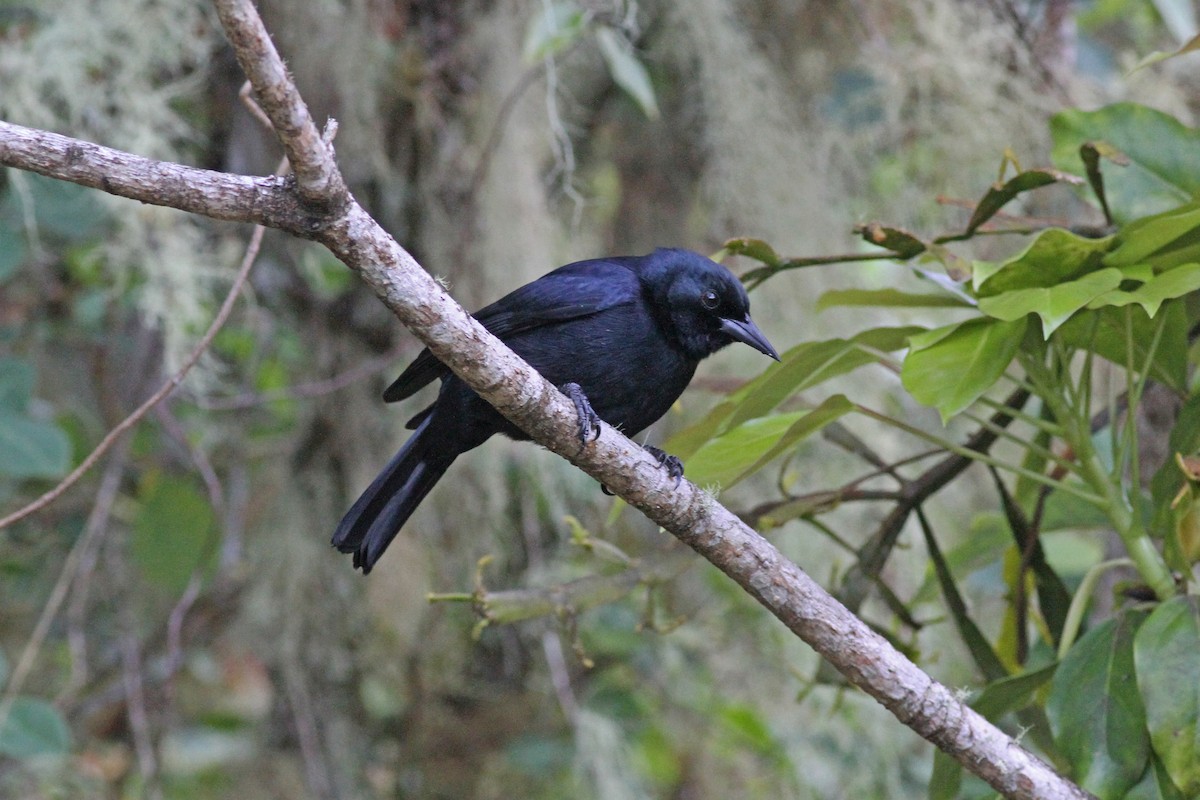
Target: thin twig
[
  {"x": 299, "y": 391},
  {"x": 135, "y": 710},
  {"x": 171, "y": 385},
  {"x": 300, "y": 701},
  {"x": 97, "y": 523}
]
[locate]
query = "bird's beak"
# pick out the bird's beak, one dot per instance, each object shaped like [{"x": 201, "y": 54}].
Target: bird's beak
[{"x": 747, "y": 332}]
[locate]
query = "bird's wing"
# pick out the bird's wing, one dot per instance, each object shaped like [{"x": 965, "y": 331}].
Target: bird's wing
[{"x": 571, "y": 292}]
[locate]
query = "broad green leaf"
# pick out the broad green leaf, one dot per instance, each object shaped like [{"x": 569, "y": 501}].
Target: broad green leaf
[
  {"x": 945, "y": 781},
  {"x": 1155, "y": 784},
  {"x": 32, "y": 449},
  {"x": 627, "y": 71},
  {"x": 1107, "y": 332},
  {"x": 982, "y": 652},
  {"x": 16, "y": 383},
  {"x": 888, "y": 298},
  {"x": 1167, "y": 653},
  {"x": 1143, "y": 238},
  {"x": 1053, "y": 257},
  {"x": 810, "y": 364},
  {"x": 1011, "y": 693},
  {"x": 803, "y": 367},
  {"x": 34, "y": 728},
  {"x": 1164, "y": 156},
  {"x": 552, "y": 30},
  {"x": 1095, "y": 710},
  {"x": 750, "y": 446},
  {"x": 172, "y": 533},
  {"x": 1152, "y": 294},
  {"x": 1053, "y": 304},
  {"x": 952, "y": 372}
]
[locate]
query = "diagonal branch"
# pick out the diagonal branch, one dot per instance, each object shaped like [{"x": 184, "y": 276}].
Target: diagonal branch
[{"x": 524, "y": 397}]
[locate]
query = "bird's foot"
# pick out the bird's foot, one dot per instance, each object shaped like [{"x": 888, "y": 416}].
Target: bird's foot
[
  {"x": 672, "y": 463},
  {"x": 589, "y": 420}
]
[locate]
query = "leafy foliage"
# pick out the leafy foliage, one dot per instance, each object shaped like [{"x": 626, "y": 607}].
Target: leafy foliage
[{"x": 1121, "y": 708}]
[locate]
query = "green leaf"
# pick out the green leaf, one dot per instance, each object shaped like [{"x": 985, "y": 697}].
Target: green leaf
[
  {"x": 1092, "y": 154},
  {"x": 1053, "y": 257},
  {"x": 1107, "y": 332},
  {"x": 16, "y": 383},
  {"x": 552, "y": 30},
  {"x": 1167, "y": 654},
  {"x": 804, "y": 366},
  {"x": 1152, "y": 294},
  {"x": 1155, "y": 784},
  {"x": 1053, "y": 304},
  {"x": 812, "y": 363},
  {"x": 1143, "y": 238},
  {"x": 1164, "y": 155},
  {"x": 982, "y": 652},
  {"x": 1190, "y": 46},
  {"x": 626, "y": 70},
  {"x": 904, "y": 244},
  {"x": 1011, "y": 693},
  {"x": 753, "y": 248},
  {"x": 172, "y": 533},
  {"x": 32, "y": 449},
  {"x": 999, "y": 195},
  {"x": 1095, "y": 711},
  {"x": 888, "y": 298},
  {"x": 750, "y": 446},
  {"x": 34, "y": 728},
  {"x": 951, "y": 370},
  {"x": 747, "y": 726}
]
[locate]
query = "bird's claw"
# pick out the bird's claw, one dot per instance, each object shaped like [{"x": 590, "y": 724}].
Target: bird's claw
[
  {"x": 589, "y": 420},
  {"x": 672, "y": 463}
]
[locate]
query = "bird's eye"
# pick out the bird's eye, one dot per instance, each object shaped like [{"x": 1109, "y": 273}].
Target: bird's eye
[{"x": 710, "y": 300}]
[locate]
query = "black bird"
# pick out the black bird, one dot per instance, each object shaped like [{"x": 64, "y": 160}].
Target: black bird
[{"x": 624, "y": 334}]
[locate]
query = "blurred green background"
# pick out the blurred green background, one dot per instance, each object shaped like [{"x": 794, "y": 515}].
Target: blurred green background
[{"x": 209, "y": 642}]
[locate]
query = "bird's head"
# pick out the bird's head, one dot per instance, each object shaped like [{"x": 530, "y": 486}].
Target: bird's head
[{"x": 705, "y": 306}]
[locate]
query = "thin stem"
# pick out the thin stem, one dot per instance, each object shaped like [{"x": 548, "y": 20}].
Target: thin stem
[
  {"x": 1115, "y": 502},
  {"x": 982, "y": 458},
  {"x": 1041, "y": 423},
  {"x": 171, "y": 385},
  {"x": 1080, "y": 601},
  {"x": 1027, "y": 444}
]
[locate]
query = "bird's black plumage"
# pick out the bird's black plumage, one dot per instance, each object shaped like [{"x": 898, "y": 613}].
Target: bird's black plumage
[{"x": 629, "y": 331}]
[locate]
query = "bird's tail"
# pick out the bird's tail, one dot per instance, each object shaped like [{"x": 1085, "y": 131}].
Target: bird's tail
[{"x": 376, "y": 517}]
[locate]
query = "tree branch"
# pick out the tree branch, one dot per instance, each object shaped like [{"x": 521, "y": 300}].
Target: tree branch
[{"x": 524, "y": 397}]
